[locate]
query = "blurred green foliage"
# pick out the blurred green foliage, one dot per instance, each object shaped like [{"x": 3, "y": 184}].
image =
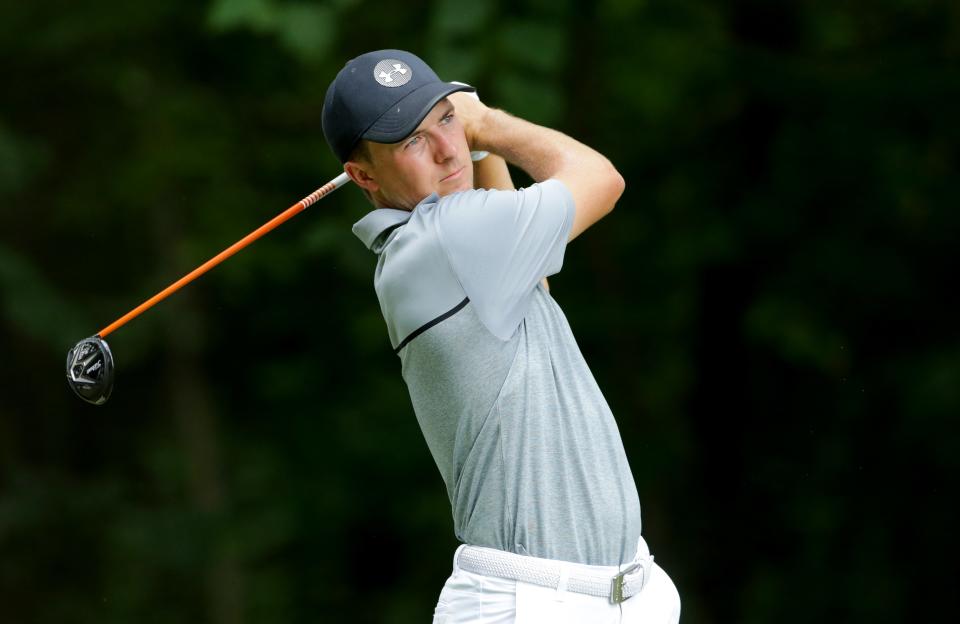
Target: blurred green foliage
[{"x": 768, "y": 311}]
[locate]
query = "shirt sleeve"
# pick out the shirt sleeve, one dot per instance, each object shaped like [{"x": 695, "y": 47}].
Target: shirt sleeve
[{"x": 502, "y": 243}]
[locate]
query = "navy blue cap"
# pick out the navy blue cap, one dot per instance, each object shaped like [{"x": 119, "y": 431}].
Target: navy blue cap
[{"x": 380, "y": 96}]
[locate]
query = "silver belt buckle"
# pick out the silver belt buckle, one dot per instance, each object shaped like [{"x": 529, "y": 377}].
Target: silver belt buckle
[{"x": 619, "y": 581}]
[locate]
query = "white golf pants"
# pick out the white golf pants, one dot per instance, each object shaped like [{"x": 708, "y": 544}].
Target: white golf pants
[{"x": 479, "y": 599}]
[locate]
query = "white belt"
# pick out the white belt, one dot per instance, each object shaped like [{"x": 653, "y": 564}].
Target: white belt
[{"x": 549, "y": 573}]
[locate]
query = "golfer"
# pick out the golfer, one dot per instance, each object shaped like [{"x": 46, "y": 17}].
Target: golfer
[{"x": 542, "y": 495}]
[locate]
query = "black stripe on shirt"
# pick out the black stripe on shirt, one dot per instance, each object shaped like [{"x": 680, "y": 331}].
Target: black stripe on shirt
[{"x": 430, "y": 324}]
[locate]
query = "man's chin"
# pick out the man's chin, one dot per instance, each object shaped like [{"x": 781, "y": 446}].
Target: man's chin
[{"x": 455, "y": 187}]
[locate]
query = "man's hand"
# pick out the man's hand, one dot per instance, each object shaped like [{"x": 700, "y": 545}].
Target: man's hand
[{"x": 471, "y": 112}]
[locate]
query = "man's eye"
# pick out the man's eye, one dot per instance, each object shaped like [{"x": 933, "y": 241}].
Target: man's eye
[
  {"x": 413, "y": 141},
  {"x": 447, "y": 118}
]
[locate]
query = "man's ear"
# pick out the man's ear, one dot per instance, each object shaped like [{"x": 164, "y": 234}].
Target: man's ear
[{"x": 361, "y": 173}]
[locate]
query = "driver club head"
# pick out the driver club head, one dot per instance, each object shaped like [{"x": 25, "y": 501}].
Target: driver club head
[{"x": 90, "y": 370}]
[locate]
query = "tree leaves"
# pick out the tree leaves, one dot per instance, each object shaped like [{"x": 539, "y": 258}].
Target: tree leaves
[{"x": 306, "y": 30}]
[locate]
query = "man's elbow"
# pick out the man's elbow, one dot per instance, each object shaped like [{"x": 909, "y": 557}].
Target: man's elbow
[{"x": 615, "y": 185}]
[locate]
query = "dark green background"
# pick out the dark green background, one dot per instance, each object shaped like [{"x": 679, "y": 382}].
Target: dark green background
[{"x": 770, "y": 309}]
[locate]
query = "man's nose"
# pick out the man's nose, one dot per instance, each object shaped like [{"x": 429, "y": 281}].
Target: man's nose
[{"x": 444, "y": 149}]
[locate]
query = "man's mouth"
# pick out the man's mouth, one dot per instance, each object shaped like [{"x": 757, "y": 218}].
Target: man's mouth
[{"x": 454, "y": 175}]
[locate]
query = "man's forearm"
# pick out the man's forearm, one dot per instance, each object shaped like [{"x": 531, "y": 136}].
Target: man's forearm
[{"x": 492, "y": 173}]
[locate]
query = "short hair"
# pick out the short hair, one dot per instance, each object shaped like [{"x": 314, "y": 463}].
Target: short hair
[{"x": 361, "y": 152}]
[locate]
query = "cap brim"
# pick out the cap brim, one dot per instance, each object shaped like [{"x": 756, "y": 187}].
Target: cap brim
[{"x": 403, "y": 118}]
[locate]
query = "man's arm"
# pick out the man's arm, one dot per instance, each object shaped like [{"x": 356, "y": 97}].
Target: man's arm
[
  {"x": 492, "y": 173},
  {"x": 544, "y": 154}
]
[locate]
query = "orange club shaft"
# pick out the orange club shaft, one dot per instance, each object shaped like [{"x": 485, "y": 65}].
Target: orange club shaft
[{"x": 273, "y": 223}]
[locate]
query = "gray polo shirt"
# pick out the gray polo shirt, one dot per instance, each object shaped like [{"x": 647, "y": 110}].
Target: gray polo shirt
[{"x": 525, "y": 442}]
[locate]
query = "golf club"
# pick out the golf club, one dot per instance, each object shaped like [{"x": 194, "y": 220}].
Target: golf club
[{"x": 90, "y": 362}]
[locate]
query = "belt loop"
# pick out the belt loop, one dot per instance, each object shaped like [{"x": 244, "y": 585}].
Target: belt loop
[
  {"x": 647, "y": 572},
  {"x": 456, "y": 556}
]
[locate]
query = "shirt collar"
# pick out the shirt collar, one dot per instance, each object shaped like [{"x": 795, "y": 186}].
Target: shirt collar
[{"x": 371, "y": 228}]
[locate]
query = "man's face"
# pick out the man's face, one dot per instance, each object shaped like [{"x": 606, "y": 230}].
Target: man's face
[{"x": 435, "y": 158}]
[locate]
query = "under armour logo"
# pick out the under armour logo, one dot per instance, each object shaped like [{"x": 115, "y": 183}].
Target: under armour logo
[
  {"x": 392, "y": 73},
  {"x": 397, "y": 67}
]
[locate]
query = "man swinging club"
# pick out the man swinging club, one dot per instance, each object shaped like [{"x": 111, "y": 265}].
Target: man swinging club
[{"x": 542, "y": 495}]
